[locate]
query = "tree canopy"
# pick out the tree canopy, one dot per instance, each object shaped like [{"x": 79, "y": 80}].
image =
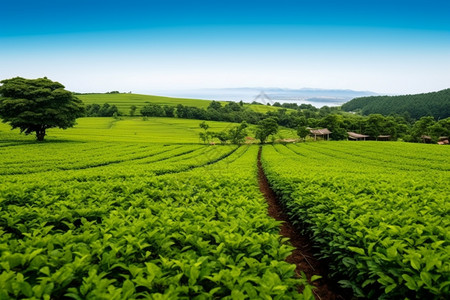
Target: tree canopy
[
  {"x": 435, "y": 104},
  {"x": 266, "y": 128},
  {"x": 35, "y": 105}
]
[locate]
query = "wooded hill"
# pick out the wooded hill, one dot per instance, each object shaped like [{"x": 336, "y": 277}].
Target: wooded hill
[{"x": 435, "y": 104}]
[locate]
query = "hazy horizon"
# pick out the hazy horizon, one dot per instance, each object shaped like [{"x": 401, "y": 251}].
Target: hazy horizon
[{"x": 386, "y": 47}]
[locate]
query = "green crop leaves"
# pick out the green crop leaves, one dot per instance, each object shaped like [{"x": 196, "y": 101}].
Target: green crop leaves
[
  {"x": 378, "y": 212},
  {"x": 156, "y": 222}
]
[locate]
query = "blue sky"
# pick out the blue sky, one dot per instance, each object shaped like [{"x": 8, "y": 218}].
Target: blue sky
[{"x": 153, "y": 46}]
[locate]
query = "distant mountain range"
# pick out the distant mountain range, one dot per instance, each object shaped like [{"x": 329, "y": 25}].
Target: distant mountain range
[{"x": 316, "y": 97}]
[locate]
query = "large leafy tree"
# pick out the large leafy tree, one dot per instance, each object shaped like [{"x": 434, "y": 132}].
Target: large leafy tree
[
  {"x": 35, "y": 105},
  {"x": 265, "y": 128}
]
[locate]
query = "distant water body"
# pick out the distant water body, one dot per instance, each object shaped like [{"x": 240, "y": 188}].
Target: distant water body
[{"x": 315, "y": 97}]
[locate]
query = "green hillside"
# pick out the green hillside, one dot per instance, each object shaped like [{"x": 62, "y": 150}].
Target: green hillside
[
  {"x": 436, "y": 104},
  {"x": 125, "y": 101},
  {"x": 127, "y": 129}
]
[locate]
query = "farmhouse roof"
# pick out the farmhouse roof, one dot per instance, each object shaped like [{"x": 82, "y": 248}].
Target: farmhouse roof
[
  {"x": 356, "y": 135},
  {"x": 322, "y": 131}
]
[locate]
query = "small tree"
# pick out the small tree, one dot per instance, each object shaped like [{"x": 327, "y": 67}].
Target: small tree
[
  {"x": 35, "y": 105},
  {"x": 237, "y": 134},
  {"x": 302, "y": 132},
  {"x": 204, "y": 136},
  {"x": 222, "y": 136},
  {"x": 133, "y": 110},
  {"x": 265, "y": 128},
  {"x": 204, "y": 126}
]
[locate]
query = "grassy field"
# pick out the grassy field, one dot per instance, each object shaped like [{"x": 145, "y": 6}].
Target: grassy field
[
  {"x": 125, "y": 101},
  {"x": 128, "y": 129}
]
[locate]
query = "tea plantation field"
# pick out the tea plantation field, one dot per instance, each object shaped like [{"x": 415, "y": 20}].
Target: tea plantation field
[
  {"x": 110, "y": 214},
  {"x": 379, "y": 213},
  {"x": 118, "y": 221}
]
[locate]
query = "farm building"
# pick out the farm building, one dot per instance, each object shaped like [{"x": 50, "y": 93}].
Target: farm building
[
  {"x": 382, "y": 137},
  {"x": 426, "y": 139},
  {"x": 356, "y": 136},
  {"x": 321, "y": 133},
  {"x": 443, "y": 140}
]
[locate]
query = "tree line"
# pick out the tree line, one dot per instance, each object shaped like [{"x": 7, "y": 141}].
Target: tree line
[{"x": 304, "y": 116}]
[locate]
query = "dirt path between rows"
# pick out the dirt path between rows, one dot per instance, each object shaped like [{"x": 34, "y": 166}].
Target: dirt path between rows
[{"x": 302, "y": 256}]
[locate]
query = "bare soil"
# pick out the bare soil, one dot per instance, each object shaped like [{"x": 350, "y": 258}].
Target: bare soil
[{"x": 303, "y": 254}]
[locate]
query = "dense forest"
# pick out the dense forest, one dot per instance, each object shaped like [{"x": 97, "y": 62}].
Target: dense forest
[{"x": 436, "y": 104}]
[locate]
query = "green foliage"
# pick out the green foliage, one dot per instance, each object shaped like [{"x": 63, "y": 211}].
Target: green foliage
[
  {"x": 302, "y": 132},
  {"x": 133, "y": 110},
  {"x": 427, "y": 126},
  {"x": 378, "y": 212},
  {"x": 374, "y": 125},
  {"x": 205, "y": 135},
  {"x": 335, "y": 124},
  {"x": 234, "y": 135},
  {"x": 222, "y": 136},
  {"x": 106, "y": 110},
  {"x": 266, "y": 128},
  {"x": 215, "y": 105},
  {"x": 204, "y": 126},
  {"x": 436, "y": 104},
  {"x": 35, "y": 105},
  {"x": 153, "y": 110},
  {"x": 237, "y": 134},
  {"x": 129, "y": 221}
]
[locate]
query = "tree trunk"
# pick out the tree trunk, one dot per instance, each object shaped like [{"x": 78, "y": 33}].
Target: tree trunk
[{"x": 40, "y": 134}]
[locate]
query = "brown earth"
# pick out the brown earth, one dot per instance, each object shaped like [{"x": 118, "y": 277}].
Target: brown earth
[{"x": 302, "y": 256}]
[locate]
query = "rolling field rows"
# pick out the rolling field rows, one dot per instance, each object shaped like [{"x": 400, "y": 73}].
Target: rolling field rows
[
  {"x": 378, "y": 212},
  {"x": 120, "y": 230},
  {"x": 102, "y": 220}
]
